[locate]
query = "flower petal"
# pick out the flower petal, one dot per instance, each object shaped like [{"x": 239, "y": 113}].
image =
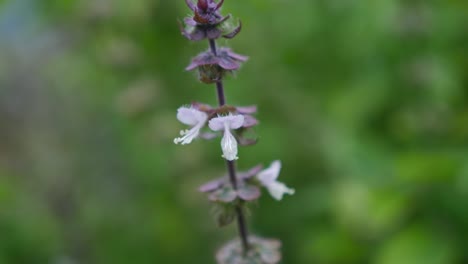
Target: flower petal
[
  {"x": 229, "y": 146},
  {"x": 278, "y": 189},
  {"x": 212, "y": 185},
  {"x": 248, "y": 192},
  {"x": 236, "y": 56},
  {"x": 191, "y": 116},
  {"x": 232, "y": 121},
  {"x": 251, "y": 109},
  {"x": 217, "y": 123},
  {"x": 244, "y": 175},
  {"x": 228, "y": 64},
  {"x": 235, "y": 121},
  {"x": 270, "y": 174},
  {"x": 190, "y": 22},
  {"x": 201, "y": 59},
  {"x": 188, "y": 135},
  {"x": 249, "y": 121}
]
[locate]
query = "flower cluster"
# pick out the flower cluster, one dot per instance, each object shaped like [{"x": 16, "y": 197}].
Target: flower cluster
[
  {"x": 249, "y": 181},
  {"x": 265, "y": 251},
  {"x": 231, "y": 192},
  {"x": 206, "y": 21},
  {"x": 227, "y": 119},
  {"x": 211, "y": 67}
]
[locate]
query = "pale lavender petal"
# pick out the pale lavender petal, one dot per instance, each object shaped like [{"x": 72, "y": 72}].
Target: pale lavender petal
[
  {"x": 235, "y": 121},
  {"x": 190, "y": 22},
  {"x": 228, "y": 63},
  {"x": 251, "y": 109},
  {"x": 212, "y": 185},
  {"x": 270, "y": 174},
  {"x": 232, "y": 121},
  {"x": 202, "y": 59},
  {"x": 237, "y": 56},
  {"x": 249, "y": 121},
  {"x": 217, "y": 123},
  {"x": 250, "y": 173},
  {"x": 278, "y": 189},
  {"x": 190, "y": 116},
  {"x": 248, "y": 192}
]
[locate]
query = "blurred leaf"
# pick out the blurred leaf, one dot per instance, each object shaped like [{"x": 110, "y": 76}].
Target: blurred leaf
[{"x": 417, "y": 245}]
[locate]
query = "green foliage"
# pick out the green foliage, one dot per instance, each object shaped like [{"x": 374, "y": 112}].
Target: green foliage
[{"x": 365, "y": 103}]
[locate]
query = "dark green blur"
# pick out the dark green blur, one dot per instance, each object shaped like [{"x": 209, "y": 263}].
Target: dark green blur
[{"x": 365, "y": 102}]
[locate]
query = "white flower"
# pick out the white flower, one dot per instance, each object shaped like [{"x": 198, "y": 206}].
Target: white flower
[
  {"x": 228, "y": 143},
  {"x": 191, "y": 117},
  {"x": 268, "y": 177}
]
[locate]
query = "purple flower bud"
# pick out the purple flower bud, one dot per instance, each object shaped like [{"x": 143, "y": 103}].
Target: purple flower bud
[
  {"x": 205, "y": 21},
  {"x": 202, "y": 5}
]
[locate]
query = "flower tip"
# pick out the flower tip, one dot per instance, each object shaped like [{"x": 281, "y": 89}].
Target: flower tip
[
  {"x": 219, "y": 5},
  {"x": 190, "y": 4},
  {"x": 230, "y": 157},
  {"x": 229, "y": 145},
  {"x": 202, "y": 4},
  {"x": 278, "y": 189}
]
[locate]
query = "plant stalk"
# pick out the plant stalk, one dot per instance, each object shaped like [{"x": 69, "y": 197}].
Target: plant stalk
[{"x": 241, "y": 223}]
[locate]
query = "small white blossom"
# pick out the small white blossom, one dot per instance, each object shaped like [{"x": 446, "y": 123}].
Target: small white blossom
[
  {"x": 228, "y": 142},
  {"x": 191, "y": 117},
  {"x": 268, "y": 177}
]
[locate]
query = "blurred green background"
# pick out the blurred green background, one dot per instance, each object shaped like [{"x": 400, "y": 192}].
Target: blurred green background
[{"x": 364, "y": 101}]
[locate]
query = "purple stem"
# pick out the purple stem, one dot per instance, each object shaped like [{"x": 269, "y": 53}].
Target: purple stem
[
  {"x": 220, "y": 93},
  {"x": 241, "y": 223}
]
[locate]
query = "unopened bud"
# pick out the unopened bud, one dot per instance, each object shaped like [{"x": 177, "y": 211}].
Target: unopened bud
[
  {"x": 210, "y": 73},
  {"x": 202, "y": 4}
]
